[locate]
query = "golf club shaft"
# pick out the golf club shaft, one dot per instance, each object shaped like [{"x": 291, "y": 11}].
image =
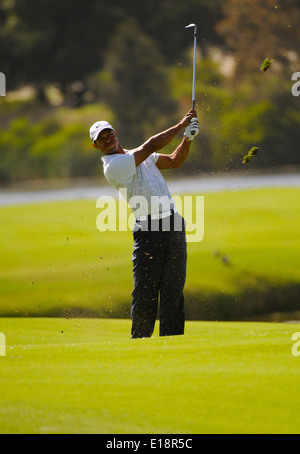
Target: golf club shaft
[
  {"x": 194, "y": 68},
  {"x": 194, "y": 26}
]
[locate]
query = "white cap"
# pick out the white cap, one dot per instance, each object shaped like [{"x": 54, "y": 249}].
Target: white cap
[{"x": 97, "y": 128}]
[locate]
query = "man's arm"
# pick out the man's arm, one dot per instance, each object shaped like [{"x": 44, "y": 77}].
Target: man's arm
[
  {"x": 177, "y": 158},
  {"x": 159, "y": 141}
]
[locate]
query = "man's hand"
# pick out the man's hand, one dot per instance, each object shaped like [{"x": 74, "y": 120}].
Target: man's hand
[
  {"x": 192, "y": 130},
  {"x": 177, "y": 158},
  {"x": 188, "y": 117}
]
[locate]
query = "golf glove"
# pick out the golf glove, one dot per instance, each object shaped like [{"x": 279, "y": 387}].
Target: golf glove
[{"x": 192, "y": 130}]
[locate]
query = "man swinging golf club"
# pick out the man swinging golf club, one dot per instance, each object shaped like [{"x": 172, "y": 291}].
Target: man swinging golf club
[{"x": 159, "y": 254}]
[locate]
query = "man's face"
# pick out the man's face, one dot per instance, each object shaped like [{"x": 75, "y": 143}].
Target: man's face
[{"x": 107, "y": 141}]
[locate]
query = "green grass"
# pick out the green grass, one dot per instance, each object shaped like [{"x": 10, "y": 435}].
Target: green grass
[
  {"x": 54, "y": 261},
  {"x": 87, "y": 376},
  {"x": 78, "y": 375}
]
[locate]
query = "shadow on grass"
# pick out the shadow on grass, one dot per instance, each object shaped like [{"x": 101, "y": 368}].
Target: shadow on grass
[
  {"x": 250, "y": 304},
  {"x": 259, "y": 302}
]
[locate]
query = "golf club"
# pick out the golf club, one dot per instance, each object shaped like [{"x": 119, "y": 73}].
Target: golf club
[{"x": 194, "y": 63}]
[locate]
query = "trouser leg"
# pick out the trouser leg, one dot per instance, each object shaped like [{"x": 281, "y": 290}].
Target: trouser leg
[
  {"x": 147, "y": 263},
  {"x": 159, "y": 266},
  {"x": 172, "y": 313}
]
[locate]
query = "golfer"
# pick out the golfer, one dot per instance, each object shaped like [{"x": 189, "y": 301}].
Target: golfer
[{"x": 159, "y": 252}]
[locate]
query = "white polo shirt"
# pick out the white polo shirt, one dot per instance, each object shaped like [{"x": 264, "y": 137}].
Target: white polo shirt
[{"x": 143, "y": 187}]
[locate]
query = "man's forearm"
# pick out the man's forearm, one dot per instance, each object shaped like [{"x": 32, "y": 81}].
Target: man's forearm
[
  {"x": 156, "y": 143},
  {"x": 177, "y": 158},
  {"x": 162, "y": 139},
  {"x": 180, "y": 154}
]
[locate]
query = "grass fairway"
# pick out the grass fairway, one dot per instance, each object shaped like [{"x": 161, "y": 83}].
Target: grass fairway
[{"x": 86, "y": 376}]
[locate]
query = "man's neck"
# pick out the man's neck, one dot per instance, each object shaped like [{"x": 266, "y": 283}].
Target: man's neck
[{"x": 119, "y": 150}]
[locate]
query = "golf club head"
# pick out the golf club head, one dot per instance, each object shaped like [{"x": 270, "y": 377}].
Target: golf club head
[{"x": 192, "y": 25}]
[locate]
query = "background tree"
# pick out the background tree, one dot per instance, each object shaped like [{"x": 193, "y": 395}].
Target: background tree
[
  {"x": 255, "y": 30},
  {"x": 136, "y": 85},
  {"x": 164, "y": 22},
  {"x": 131, "y": 64},
  {"x": 54, "y": 42}
]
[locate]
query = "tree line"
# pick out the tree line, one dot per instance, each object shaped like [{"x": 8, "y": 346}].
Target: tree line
[{"x": 134, "y": 62}]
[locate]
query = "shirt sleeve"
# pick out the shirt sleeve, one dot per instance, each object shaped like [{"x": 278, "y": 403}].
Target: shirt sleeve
[
  {"x": 155, "y": 157},
  {"x": 120, "y": 168}
]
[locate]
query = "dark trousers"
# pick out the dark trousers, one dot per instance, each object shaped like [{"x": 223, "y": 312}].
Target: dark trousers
[{"x": 159, "y": 269}]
